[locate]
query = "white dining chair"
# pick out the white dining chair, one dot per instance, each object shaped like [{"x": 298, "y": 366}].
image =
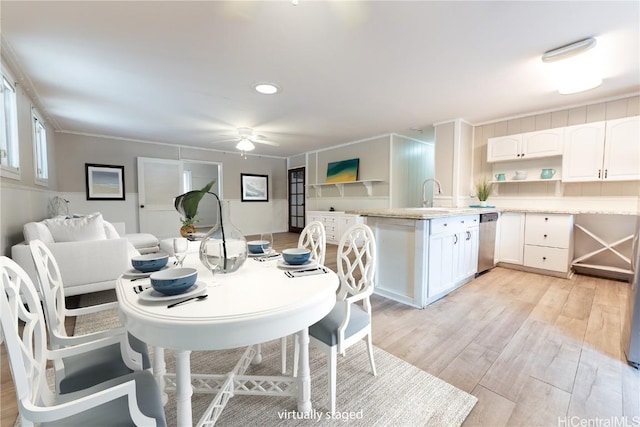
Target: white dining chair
[
  {"x": 75, "y": 373},
  {"x": 313, "y": 237},
  {"x": 350, "y": 319},
  {"x": 132, "y": 399}
]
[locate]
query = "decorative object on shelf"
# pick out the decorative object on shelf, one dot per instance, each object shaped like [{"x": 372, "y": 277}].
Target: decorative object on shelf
[
  {"x": 187, "y": 205},
  {"x": 254, "y": 188},
  {"x": 224, "y": 247},
  {"x": 483, "y": 191},
  {"x": 500, "y": 177},
  {"x": 520, "y": 175},
  {"x": 343, "y": 171},
  {"x": 547, "y": 173},
  {"x": 104, "y": 182}
]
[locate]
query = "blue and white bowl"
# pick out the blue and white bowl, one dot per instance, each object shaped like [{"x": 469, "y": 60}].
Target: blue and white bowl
[
  {"x": 256, "y": 246},
  {"x": 174, "y": 281},
  {"x": 296, "y": 256},
  {"x": 149, "y": 262}
]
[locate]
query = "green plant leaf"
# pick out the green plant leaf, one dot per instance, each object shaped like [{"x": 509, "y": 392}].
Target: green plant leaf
[{"x": 187, "y": 204}]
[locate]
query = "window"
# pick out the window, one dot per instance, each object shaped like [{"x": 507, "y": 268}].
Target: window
[
  {"x": 40, "y": 149},
  {"x": 9, "y": 152}
]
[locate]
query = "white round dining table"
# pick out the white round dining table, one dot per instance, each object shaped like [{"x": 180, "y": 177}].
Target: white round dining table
[{"x": 255, "y": 304}]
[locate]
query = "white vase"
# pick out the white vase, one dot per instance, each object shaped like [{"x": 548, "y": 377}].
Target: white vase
[{"x": 483, "y": 203}]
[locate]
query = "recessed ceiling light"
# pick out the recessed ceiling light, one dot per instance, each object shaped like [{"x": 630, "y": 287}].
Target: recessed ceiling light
[{"x": 267, "y": 88}]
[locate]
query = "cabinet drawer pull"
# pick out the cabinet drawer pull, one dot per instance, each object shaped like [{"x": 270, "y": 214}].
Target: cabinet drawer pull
[
  {"x": 545, "y": 236},
  {"x": 522, "y": 155},
  {"x": 544, "y": 258},
  {"x": 599, "y": 172},
  {"x": 455, "y": 242},
  {"x": 517, "y": 155},
  {"x": 605, "y": 173},
  {"x": 546, "y": 219}
]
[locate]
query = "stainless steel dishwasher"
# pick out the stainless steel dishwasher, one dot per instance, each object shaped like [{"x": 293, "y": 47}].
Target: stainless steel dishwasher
[{"x": 487, "y": 241}]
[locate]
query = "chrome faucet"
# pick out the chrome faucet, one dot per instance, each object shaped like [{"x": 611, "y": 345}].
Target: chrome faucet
[{"x": 424, "y": 191}]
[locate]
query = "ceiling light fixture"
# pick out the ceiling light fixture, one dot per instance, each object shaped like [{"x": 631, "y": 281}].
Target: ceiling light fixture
[
  {"x": 245, "y": 145},
  {"x": 574, "y": 67},
  {"x": 267, "y": 88}
]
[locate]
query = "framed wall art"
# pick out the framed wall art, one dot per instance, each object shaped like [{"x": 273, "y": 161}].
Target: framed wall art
[
  {"x": 254, "y": 188},
  {"x": 104, "y": 182},
  {"x": 343, "y": 171}
]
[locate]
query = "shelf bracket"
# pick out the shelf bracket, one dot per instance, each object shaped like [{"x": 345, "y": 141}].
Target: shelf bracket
[
  {"x": 369, "y": 186},
  {"x": 340, "y": 188}
]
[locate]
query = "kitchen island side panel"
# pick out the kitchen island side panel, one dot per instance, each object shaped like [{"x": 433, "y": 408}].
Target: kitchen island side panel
[{"x": 402, "y": 251}]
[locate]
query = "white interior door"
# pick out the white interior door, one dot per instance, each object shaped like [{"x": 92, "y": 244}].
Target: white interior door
[{"x": 159, "y": 182}]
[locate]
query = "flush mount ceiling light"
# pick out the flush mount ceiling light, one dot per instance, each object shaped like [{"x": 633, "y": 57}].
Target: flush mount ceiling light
[
  {"x": 574, "y": 67},
  {"x": 267, "y": 88}
]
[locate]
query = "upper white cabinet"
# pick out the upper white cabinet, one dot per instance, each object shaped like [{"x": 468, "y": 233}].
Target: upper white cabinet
[
  {"x": 530, "y": 145},
  {"x": 622, "y": 150},
  {"x": 602, "y": 151}
]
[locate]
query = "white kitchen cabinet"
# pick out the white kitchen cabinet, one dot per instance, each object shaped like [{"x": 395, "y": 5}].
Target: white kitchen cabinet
[
  {"x": 548, "y": 242},
  {"x": 511, "y": 238},
  {"x": 453, "y": 253},
  {"x": 583, "y": 152},
  {"x": 335, "y": 223},
  {"x": 622, "y": 150},
  {"x": 602, "y": 151},
  {"x": 530, "y": 145}
]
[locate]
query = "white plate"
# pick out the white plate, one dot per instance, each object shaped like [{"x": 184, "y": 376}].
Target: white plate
[
  {"x": 250, "y": 255},
  {"x": 136, "y": 273},
  {"x": 283, "y": 265},
  {"x": 153, "y": 295}
]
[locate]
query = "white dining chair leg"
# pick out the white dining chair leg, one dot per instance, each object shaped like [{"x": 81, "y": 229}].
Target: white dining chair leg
[
  {"x": 332, "y": 360},
  {"x": 283, "y": 353},
  {"x": 370, "y": 349},
  {"x": 159, "y": 371},
  {"x": 183, "y": 387}
]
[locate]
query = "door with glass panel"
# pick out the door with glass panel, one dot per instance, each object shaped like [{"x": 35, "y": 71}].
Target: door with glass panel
[{"x": 296, "y": 200}]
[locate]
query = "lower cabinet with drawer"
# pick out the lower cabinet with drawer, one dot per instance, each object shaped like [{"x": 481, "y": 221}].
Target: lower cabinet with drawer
[
  {"x": 547, "y": 246},
  {"x": 335, "y": 223}
]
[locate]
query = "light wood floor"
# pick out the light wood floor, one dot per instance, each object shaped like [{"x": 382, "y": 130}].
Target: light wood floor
[{"x": 535, "y": 350}]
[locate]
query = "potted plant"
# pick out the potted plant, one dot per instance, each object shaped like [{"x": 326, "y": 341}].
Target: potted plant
[
  {"x": 483, "y": 191},
  {"x": 187, "y": 205}
]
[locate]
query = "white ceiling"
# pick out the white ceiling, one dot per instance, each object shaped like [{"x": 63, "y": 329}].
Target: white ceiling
[{"x": 182, "y": 72}]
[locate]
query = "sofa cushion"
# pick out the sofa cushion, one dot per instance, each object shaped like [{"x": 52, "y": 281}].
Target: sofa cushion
[
  {"x": 90, "y": 227},
  {"x": 110, "y": 230},
  {"x": 37, "y": 231}
]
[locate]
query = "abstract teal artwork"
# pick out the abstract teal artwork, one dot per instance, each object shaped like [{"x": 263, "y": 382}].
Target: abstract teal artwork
[{"x": 343, "y": 171}]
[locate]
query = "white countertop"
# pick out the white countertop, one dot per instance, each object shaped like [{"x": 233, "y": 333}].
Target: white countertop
[{"x": 429, "y": 213}]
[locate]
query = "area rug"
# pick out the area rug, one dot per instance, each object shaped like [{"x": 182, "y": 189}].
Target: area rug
[{"x": 400, "y": 395}]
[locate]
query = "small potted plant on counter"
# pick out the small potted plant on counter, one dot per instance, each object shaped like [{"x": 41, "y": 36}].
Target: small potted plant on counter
[{"x": 483, "y": 191}]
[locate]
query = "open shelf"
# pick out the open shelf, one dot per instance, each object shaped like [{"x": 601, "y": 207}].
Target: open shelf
[
  {"x": 558, "y": 190},
  {"x": 368, "y": 184}
]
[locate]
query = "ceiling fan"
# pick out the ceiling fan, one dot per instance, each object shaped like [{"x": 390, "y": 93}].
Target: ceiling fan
[{"x": 246, "y": 139}]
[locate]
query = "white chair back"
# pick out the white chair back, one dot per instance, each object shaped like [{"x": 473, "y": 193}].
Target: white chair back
[
  {"x": 356, "y": 262},
  {"x": 314, "y": 237},
  {"x": 51, "y": 288},
  {"x": 27, "y": 353}
]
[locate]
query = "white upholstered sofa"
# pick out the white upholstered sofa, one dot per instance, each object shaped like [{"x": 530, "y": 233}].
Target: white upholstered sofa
[{"x": 89, "y": 251}]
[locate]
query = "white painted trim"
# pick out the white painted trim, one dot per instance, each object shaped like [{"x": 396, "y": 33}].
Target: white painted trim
[
  {"x": 561, "y": 108},
  {"x": 452, "y": 121}
]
